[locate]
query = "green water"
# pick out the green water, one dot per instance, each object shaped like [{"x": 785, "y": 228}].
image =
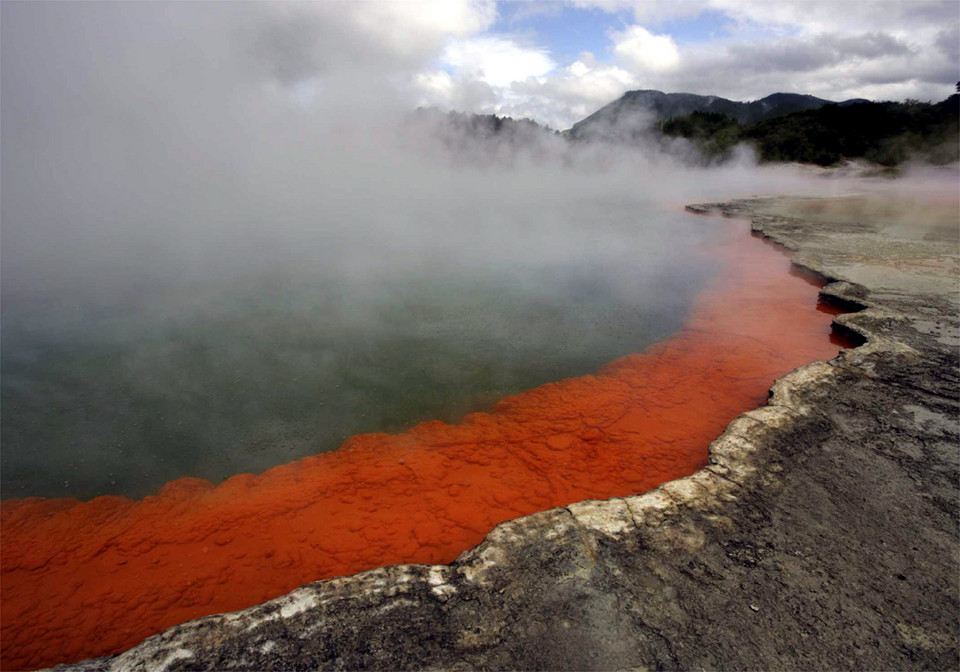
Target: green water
[{"x": 209, "y": 379}]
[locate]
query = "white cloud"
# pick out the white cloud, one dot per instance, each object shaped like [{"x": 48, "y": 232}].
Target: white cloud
[
  {"x": 571, "y": 93},
  {"x": 437, "y": 88},
  {"x": 488, "y": 74},
  {"x": 441, "y": 54},
  {"x": 296, "y": 41},
  {"x": 495, "y": 60},
  {"x": 437, "y": 82},
  {"x": 816, "y": 16},
  {"x": 647, "y": 11},
  {"x": 807, "y": 16},
  {"x": 592, "y": 80},
  {"x": 409, "y": 26},
  {"x": 836, "y": 50},
  {"x": 557, "y": 98},
  {"x": 830, "y": 65},
  {"x": 645, "y": 51}
]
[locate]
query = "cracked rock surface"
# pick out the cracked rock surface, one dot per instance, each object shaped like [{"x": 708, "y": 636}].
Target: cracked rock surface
[{"x": 823, "y": 535}]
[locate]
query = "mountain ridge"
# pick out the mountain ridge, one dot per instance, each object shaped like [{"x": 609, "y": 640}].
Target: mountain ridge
[{"x": 637, "y": 111}]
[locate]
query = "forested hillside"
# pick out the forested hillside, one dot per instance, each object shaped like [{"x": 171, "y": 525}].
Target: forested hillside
[{"x": 887, "y": 133}]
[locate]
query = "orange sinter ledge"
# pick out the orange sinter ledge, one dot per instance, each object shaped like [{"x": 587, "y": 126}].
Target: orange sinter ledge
[{"x": 86, "y": 579}]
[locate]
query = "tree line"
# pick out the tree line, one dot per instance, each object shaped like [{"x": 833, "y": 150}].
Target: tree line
[{"x": 887, "y": 133}]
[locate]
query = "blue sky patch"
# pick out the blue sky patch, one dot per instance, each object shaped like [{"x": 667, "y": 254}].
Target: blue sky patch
[
  {"x": 707, "y": 26},
  {"x": 565, "y": 31}
]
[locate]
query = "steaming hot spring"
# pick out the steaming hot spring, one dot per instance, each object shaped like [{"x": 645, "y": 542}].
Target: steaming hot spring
[{"x": 212, "y": 438}]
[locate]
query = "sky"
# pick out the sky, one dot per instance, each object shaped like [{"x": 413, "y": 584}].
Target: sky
[
  {"x": 560, "y": 61},
  {"x": 556, "y": 62}
]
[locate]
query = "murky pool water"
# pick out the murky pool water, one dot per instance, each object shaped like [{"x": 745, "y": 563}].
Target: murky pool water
[
  {"x": 87, "y": 579},
  {"x": 218, "y": 374}
]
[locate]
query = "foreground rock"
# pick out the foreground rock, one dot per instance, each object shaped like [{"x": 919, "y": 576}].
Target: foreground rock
[{"x": 823, "y": 535}]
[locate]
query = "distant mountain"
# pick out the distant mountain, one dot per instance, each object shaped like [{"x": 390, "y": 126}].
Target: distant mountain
[
  {"x": 638, "y": 111},
  {"x": 886, "y": 133}
]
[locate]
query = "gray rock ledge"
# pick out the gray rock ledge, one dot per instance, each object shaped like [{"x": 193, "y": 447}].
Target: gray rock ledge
[{"x": 823, "y": 534}]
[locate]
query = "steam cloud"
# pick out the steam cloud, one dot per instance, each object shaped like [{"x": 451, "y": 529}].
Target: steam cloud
[
  {"x": 216, "y": 217},
  {"x": 145, "y": 142},
  {"x": 193, "y": 192}
]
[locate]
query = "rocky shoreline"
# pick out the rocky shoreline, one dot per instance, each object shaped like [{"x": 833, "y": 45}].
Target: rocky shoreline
[{"x": 823, "y": 534}]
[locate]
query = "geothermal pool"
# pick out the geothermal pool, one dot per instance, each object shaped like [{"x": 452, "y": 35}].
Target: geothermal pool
[
  {"x": 220, "y": 373},
  {"x": 83, "y": 579}
]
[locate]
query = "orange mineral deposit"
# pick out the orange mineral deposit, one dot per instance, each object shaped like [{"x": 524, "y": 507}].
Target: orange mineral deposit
[{"x": 84, "y": 579}]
